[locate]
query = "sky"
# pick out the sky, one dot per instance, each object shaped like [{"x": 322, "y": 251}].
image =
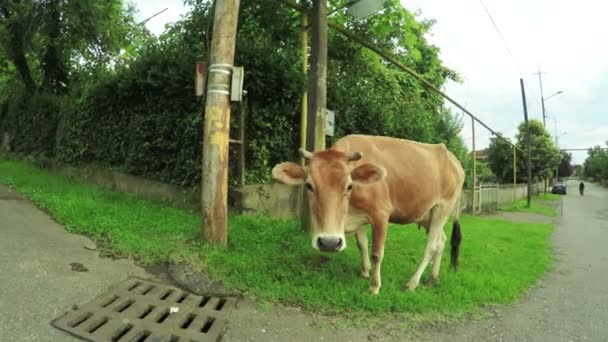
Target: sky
[
  {"x": 156, "y": 25},
  {"x": 563, "y": 38}
]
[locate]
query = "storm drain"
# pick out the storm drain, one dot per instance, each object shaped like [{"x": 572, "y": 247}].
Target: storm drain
[{"x": 139, "y": 310}]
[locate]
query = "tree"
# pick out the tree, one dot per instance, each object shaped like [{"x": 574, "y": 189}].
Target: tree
[
  {"x": 565, "y": 168},
  {"x": 596, "y": 164},
  {"x": 544, "y": 154},
  {"x": 500, "y": 159},
  {"x": 136, "y": 112},
  {"x": 484, "y": 173},
  {"x": 579, "y": 171},
  {"x": 48, "y": 40}
]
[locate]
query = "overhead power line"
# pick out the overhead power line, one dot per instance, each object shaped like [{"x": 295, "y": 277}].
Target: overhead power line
[
  {"x": 395, "y": 62},
  {"x": 504, "y": 41}
]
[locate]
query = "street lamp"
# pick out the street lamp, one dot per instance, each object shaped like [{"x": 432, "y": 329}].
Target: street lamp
[
  {"x": 556, "y": 93},
  {"x": 543, "y": 99}
]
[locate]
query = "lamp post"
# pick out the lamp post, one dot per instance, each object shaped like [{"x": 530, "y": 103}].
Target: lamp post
[{"x": 543, "y": 99}]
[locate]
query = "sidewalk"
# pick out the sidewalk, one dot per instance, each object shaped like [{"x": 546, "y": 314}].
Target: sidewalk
[{"x": 45, "y": 270}]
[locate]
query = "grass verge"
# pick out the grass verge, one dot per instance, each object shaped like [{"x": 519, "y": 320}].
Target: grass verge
[
  {"x": 542, "y": 204},
  {"x": 273, "y": 261}
]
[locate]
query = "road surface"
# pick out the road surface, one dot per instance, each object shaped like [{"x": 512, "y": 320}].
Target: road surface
[
  {"x": 571, "y": 301},
  {"x": 45, "y": 270}
]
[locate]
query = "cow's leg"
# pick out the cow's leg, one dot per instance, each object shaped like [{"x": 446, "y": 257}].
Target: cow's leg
[
  {"x": 434, "y": 246},
  {"x": 436, "y": 262},
  {"x": 378, "y": 238},
  {"x": 361, "y": 236}
]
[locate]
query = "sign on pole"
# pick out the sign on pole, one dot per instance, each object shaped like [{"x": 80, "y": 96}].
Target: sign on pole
[
  {"x": 330, "y": 122},
  {"x": 236, "y": 93},
  {"x": 200, "y": 78}
]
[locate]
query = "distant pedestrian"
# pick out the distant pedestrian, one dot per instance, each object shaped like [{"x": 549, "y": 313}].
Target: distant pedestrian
[{"x": 581, "y": 188}]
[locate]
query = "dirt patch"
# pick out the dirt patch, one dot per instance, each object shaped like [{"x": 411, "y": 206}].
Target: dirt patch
[
  {"x": 78, "y": 267},
  {"x": 518, "y": 216}
]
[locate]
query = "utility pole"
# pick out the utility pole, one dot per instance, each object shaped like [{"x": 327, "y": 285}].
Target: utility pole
[
  {"x": 304, "y": 101},
  {"x": 529, "y": 161},
  {"x": 514, "y": 173},
  {"x": 474, "y": 175},
  {"x": 317, "y": 83},
  {"x": 542, "y": 97},
  {"x": 214, "y": 186},
  {"x": 317, "y": 90}
]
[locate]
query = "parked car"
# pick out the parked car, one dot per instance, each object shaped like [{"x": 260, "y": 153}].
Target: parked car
[{"x": 559, "y": 188}]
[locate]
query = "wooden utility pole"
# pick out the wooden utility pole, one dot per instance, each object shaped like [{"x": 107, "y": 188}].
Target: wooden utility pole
[
  {"x": 317, "y": 90},
  {"x": 474, "y": 175},
  {"x": 542, "y": 98},
  {"x": 514, "y": 173},
  {"x": 529, "y": 161},
  {"x": 317, "y": 82},
  {"x": 214, "y": 187},
  {"x": 304, "y": 103}
]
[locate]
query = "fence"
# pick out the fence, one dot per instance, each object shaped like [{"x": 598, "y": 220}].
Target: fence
[{"x": 491, "y": 196}]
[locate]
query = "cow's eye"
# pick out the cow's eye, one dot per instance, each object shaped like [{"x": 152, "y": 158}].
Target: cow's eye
[
  {"x": 349, "y": 188},
  {"x": 309, "y": 187}
]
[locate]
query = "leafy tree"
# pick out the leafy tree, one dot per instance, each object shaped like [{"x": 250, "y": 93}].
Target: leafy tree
[
  {"x": 596, "y": 164},
  {"x": 135, "y": 111},
  {"x": 500, "y": 159},
  {"x": 565, "y": 168},
  {"x": 579, "y": 171},
  {"x": 47, "y": 40},
  {"x": 544, "y": 154},
  {"x": 484, "y": 173}
]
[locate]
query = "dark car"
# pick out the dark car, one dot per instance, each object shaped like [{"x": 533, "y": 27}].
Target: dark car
[{"x": 559, "y": 188}]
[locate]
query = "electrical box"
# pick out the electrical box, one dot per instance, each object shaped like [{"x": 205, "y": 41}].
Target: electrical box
[{"x": 236, "y": 92}]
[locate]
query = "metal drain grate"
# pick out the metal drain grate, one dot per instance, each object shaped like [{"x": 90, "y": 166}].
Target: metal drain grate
[{"x": 139, "y": 310}]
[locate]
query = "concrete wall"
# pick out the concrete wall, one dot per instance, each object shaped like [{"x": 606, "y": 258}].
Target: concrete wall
[
  {"x": 276, "y": 200},
  {"x": 113, "y": 180}
]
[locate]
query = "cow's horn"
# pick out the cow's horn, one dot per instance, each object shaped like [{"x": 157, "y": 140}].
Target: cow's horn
[
  {"x": 305, "y": 154},
  {"x": 354, "y": 156}
]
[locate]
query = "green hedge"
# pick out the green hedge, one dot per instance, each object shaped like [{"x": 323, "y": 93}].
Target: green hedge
[{"x": 142, "y": 117}]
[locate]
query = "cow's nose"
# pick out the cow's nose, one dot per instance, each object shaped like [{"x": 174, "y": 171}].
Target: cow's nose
[{"x": 329, "y": 243}]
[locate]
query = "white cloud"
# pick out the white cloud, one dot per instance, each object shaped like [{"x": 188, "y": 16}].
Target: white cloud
[{"x": 561, "y": 36}]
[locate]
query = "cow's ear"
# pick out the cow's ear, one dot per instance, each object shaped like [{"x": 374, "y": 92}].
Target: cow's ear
[
  {"x": 289, "y": 173},
  {"x": 367, "y": 174}
]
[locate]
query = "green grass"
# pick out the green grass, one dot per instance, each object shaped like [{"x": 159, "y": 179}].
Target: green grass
[
  {"x": 271, "y": 260},
  {"x": 541, "y": 204},
  {"x": 125, "y": 225}
]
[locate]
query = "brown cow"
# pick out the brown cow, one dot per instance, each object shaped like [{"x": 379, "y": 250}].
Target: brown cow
[{"x": 377, "y": 180}]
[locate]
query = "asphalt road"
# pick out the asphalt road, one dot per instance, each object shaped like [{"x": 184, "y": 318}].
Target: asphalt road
[
  {"x": 44, "y": 270},
  {"x": 571, "y": 301}
]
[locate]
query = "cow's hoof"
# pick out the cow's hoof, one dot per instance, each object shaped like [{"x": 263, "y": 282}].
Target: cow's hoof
[
  {"x": 409, "y": 287},
  {"x": 431, "y": 282},
  {"x": 374, "y": 290},
  {"x": 364, "y": 274}
]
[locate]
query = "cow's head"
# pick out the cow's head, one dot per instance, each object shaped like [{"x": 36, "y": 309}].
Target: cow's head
[{"x": 329, "y": 178}]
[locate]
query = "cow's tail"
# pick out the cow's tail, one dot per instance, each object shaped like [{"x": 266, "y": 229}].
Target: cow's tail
[{"x": 456, "y": 237}]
